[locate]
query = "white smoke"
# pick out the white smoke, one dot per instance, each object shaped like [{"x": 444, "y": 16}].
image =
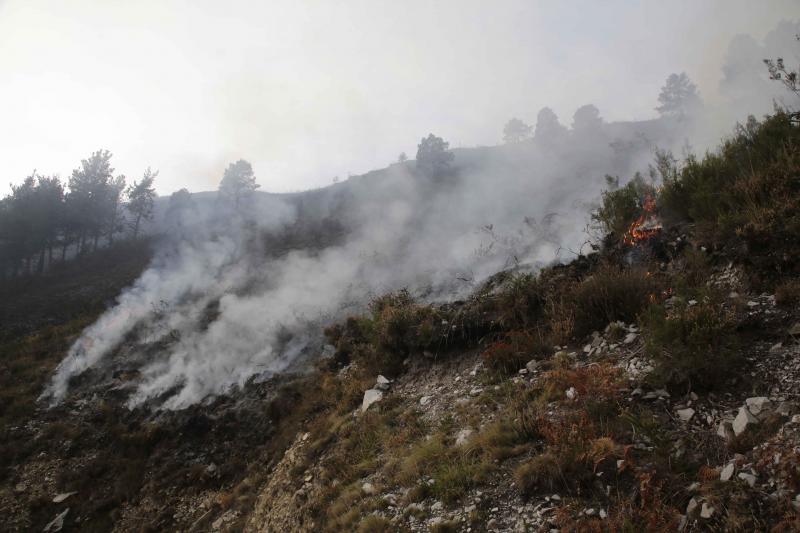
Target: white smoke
[{"x": 232, "y": 296}]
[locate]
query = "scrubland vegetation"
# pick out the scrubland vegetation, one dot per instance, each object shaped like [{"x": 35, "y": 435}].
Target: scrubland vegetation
[
  {"x": 550, "y": 412},
  {"x": 737, "y": 204}
]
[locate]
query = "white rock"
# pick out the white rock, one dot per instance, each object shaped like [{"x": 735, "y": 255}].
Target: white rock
[
  {"x": 742, "y": 420},
  {"x": 629, "y": 338},
  {"x": 369, "y": 489},
  {"x": 382, "y": 383},
  {"x": 748, "y": 478},
  {"x": 686, "y": 414},
  {"x": 57, "y": 524},
  {"x": 707, "y": 511},
  {"x": 371, "y": 396},
  {"x": 776, "y": 347},
  {"x": 758, "y": 404},
  {"x": 725, "y": 430},
  {"x": 571, "y": 393},
  {"x": 463, "y": 436},
  {"x": 727, "y": 472},
  {"x": 691, "y": 507},
  {"x": 63, "y": 496},
  {"x": 425, "y": 400},
  {"x": 437, "y": 506},
  {"x": 532, "y": 365}
]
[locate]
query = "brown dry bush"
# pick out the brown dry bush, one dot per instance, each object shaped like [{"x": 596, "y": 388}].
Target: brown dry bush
[
  {"x": 608, "y": 295},
  {"x": 787, "y": 294},
  {"x": 515, "y": 348}
]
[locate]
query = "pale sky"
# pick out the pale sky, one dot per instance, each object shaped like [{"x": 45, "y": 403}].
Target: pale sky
[{"x": 307, "y": 90}]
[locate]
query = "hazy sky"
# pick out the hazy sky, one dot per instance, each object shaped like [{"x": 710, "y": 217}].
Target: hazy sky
[{"x": 307, "y": 90}]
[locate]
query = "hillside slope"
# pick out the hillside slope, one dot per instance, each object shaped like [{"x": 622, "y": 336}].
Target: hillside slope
[{"x": 651, "y": 384}]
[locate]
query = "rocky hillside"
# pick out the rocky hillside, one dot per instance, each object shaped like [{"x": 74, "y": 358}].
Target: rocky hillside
[{"x": 651, "y": 385}]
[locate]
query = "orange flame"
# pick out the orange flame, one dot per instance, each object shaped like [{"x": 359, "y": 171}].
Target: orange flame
[{"x": 646, "y": 226}]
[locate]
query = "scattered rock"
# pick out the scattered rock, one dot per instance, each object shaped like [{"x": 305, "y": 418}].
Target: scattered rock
[
  {"x": 532, "y": 366},
  {"x": 794, "y": 331},
  {"x": 369, "y": 489},
  {"x": 656, "y": 394},
  {"x": 371, "y": 396},
  {"x": 786, "y": 408},
  {"x": 57, "y": 523},
  {"x": 758, "y": 404},
  {"x": 63, "y": 496},
  {"x": 437, "y": 506},
  {"x": 463, "y": 436},
  {"x": 425, "y": 400},
  {"x": 748, "y": 478},
  {"x": 691, "y": 508},
  {"x": 382, "y": 383},
  {"x": 686, "y": 414},
  {"x": 707, "y": 511},
  {"x": 743, "y": 420},
  {"x": 727, "y": 472},
  {"x": 571, "y": 393},
  {"x": 725, "y": 430},
  {"x": 629, "y": 338}
]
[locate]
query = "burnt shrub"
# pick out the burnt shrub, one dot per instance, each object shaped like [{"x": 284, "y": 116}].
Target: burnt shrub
[{"x": 691, "y": 345}]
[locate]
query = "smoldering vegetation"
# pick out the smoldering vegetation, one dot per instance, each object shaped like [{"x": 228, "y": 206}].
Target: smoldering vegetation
[{"x": 238, "y": 290}]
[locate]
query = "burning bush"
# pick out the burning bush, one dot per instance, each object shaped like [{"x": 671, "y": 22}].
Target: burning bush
[{"x": 624, "y": 209}]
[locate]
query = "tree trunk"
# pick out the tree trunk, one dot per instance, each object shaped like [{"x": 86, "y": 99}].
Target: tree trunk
[
  {"x": 136, "y": 227},
  {"x": 64, "y": 250}
]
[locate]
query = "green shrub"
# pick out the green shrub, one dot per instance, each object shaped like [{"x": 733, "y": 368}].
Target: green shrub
[
  {"x": 691, "y": 345},
  {"x": 751, "y": 181}
]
